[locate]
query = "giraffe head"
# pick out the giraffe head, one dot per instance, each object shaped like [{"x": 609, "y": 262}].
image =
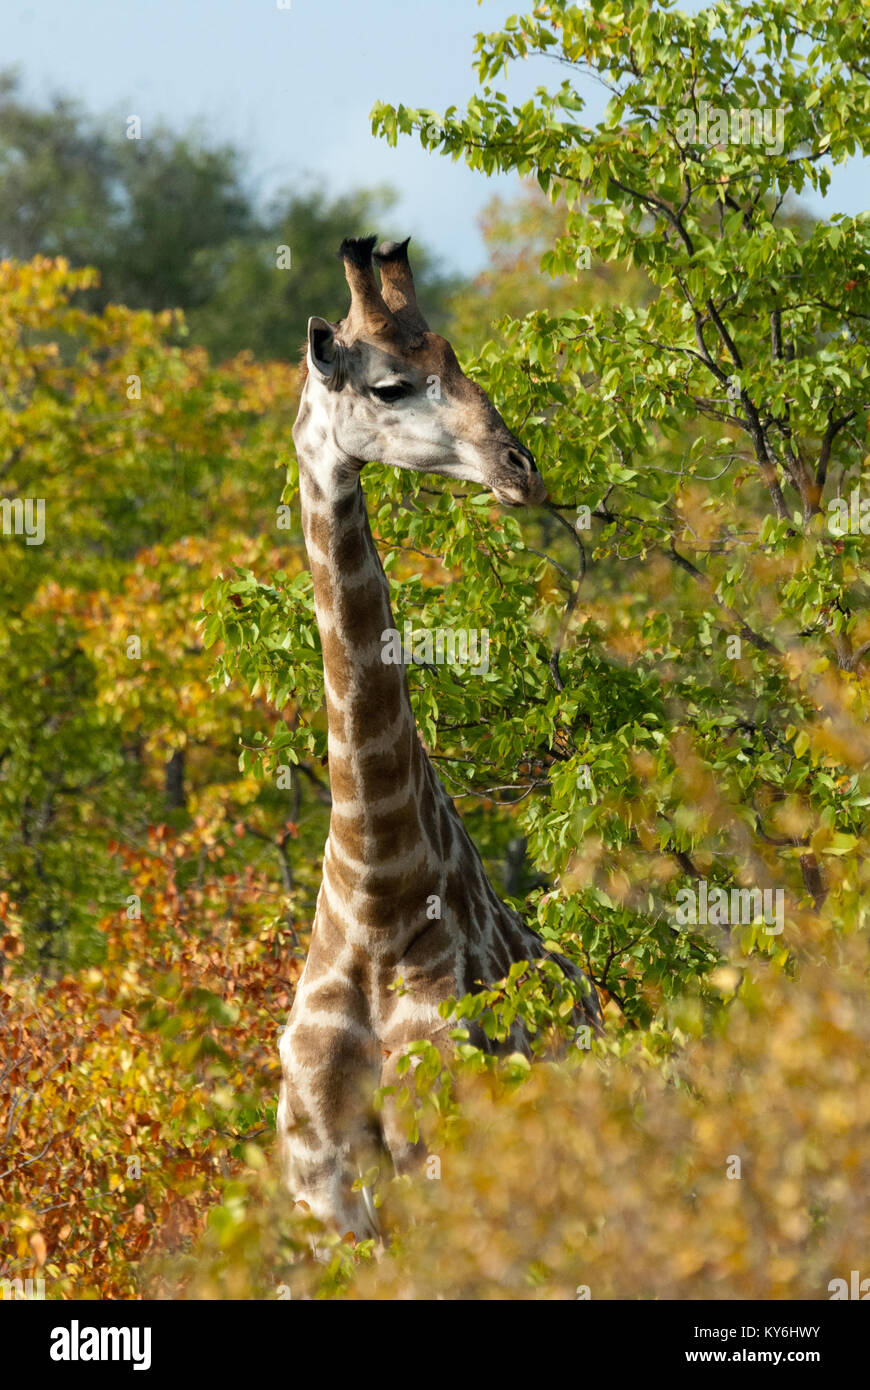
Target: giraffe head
[{"x": 381, "y": 387}]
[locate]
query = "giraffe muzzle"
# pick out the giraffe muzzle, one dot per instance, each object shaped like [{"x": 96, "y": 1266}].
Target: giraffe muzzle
[{"x": 525, "y": 486}]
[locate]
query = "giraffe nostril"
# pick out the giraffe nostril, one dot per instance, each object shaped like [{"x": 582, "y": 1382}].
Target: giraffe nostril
[{"x": 521, "y": 458}]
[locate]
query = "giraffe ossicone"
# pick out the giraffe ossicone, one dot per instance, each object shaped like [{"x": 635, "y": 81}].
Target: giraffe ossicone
[{"x": 396, "y": 843}]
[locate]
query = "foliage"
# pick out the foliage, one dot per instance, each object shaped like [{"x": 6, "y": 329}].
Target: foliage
[
  {"x": 129, "y": 1089},
  {"x": 714, "y": 625},
  {"x": 615, "y": 1172},
  {"x": 138, "y": 208},
  {"x": 518, "y": 232},
  {"x": 618, "y": 1179},
  {"x": 104, "y": 681}
]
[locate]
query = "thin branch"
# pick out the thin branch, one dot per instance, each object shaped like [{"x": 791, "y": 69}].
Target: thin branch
[{"x": 834, "y": 427}]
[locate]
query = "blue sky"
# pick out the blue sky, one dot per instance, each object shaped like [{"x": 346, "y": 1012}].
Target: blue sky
[{"x": 294, "y": 88}]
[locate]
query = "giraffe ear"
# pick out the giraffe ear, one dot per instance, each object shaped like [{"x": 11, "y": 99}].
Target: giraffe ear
[{"x": 322, "y": 347}]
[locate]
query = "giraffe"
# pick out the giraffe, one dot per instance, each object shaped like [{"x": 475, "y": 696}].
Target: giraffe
[{"x": 396, "y": 844}]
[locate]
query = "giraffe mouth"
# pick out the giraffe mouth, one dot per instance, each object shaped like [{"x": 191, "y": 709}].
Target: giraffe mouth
[{"x": 531, "y": 493}]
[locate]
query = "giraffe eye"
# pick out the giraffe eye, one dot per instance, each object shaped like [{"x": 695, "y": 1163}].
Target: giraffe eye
[{"x": 392, "y": 392}]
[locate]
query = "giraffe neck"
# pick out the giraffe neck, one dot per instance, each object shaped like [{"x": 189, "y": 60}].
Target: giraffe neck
[{"x": 379, "y": 773}]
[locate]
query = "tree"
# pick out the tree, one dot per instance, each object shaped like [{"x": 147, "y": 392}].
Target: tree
[
  {"x": 56, "y": 173},
  {"x": 138, "y": 209},
  {"x": 133, "y": 472},
  {"x": 178, "y": 199},
  {"x": 706, "y": 663},
  {"x": 517, "y": 232}
]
